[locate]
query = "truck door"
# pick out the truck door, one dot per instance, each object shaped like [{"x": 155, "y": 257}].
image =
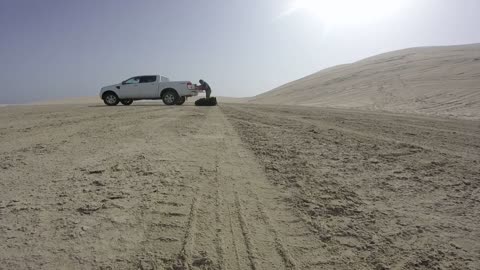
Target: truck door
[
  {"x": 129, "y": 88},
  {"x": 149, "y": 87}
]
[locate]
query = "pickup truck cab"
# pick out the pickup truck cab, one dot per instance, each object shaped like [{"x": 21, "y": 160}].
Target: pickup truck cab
[{"x": 148, "y": 87}]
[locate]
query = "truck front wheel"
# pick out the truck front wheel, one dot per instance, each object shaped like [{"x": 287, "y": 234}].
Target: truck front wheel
[
  {"x": 111, "y": 99},
  {"x": 170, "y": 98},
  {"x": 181, "y": 100}
]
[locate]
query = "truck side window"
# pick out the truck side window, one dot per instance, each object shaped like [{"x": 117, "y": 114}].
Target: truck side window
[{"x": 148, "y": 79}]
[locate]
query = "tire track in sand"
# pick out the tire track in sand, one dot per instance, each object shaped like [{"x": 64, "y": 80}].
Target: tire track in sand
[
  {"x": 239, "y": 220},
  {"x": 183, "y": 260}
]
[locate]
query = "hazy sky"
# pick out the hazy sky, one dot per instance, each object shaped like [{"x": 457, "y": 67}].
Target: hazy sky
[{"x": 61, "y": 48}]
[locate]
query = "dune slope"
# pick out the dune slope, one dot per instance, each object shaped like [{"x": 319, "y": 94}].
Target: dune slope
[{"x": 441, "y": 81}]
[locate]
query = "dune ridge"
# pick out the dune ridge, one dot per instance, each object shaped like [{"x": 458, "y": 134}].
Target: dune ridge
[{"x": 441, "y": 81}]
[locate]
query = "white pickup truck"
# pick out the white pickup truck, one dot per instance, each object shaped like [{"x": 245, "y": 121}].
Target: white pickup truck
[{"x": 148, "y": 87}]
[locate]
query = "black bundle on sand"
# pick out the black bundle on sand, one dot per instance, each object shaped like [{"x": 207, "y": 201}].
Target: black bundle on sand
[{"x": 206, "y": 102}]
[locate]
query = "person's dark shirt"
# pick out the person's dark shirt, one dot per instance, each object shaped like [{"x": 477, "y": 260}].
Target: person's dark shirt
[{"x": 205, "y": 86}]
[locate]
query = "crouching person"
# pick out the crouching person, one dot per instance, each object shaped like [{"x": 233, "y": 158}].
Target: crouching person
[{"x": 204, "y": 86}]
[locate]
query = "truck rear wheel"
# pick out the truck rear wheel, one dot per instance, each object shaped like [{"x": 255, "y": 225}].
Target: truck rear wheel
[
  {"x": 170, "y": 97},
  {"x": 181, "y": 100}
]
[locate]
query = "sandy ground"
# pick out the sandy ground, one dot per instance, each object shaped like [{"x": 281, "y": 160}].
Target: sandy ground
[
  {"x": 92, "y": 100},
  {"x": 437, "y": 81},
  {"x": 236, "y": 187}
]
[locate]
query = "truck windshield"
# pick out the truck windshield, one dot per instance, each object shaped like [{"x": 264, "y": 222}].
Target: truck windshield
[{"x": 133, "y": 80}]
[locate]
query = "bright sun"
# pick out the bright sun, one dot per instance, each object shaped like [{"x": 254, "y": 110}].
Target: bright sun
[{"x": 335, "y": 12}]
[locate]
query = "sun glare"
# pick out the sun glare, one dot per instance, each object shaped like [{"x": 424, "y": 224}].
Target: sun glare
[{"x": 336, "y": 12}]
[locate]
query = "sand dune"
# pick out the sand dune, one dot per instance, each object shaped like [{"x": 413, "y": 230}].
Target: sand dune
[{"x": 443, "y": 81}]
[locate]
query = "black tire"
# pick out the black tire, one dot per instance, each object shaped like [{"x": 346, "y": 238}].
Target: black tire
[
  {"x": 181, "y": 100},
  {"x": 170, "y": 97},
  {"x": 206, "y": 102},
  {"x": 111, "y": 99},
  {"x": 127, "y": 102}
]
